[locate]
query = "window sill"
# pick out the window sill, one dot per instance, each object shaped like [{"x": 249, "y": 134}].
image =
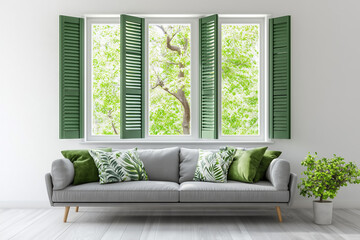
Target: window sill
[{"x": 172, "y": 142}]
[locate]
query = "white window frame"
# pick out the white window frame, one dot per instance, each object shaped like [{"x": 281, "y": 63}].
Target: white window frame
[
  {"x": 262, "y": 20},
  {"x": 263, "y": 79}
]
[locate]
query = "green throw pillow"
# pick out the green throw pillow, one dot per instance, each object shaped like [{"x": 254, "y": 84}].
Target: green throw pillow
[
  {"x": 265, "y": 163},
  {"x": 213, "y": 167},
  {"x": 119, "y": 166},
  {"x": 245, "y": 164},
  {"x": 84, "y": 165}
]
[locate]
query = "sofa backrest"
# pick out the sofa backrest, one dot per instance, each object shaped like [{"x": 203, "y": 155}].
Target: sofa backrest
[
  {"x": 170, "y": 164},
  {"x": 161, "y": 164}
]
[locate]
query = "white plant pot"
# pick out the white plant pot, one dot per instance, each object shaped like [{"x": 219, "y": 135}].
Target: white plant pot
[{"x": 323, "y": 212}]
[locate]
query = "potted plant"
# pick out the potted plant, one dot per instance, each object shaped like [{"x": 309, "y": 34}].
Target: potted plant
[{"x": 324, "y": 177}]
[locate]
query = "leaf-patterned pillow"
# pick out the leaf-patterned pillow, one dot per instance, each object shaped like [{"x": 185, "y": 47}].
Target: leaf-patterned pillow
[
  {"x": 213, "y": 167},
  {"x": 119, "y": 166}
]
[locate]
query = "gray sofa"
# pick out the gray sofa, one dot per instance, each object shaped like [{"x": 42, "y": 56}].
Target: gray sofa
[{"x": 170, "y": 172}]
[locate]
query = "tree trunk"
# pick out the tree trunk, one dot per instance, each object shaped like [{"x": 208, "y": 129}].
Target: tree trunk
[
  {"x": 185, "y": 104},
  {"x": 186, "y": 118},
  {"x": 186, "y": 115},
  {"x": 112, "y": 123}
]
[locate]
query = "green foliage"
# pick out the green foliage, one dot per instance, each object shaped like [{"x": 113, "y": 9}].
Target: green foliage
[
  {"x": 325, "y": 176},
  {"x": 106, "y": 79},
  {"x": 240, "y": 79},
  {"x": 166, "y": 112}
]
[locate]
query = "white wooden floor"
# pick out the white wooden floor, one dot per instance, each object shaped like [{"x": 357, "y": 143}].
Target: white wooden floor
[{"x": 110, "y": 223}]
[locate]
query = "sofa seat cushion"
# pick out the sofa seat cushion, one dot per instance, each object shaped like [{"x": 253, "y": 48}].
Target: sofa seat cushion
[
  {"x": 231, "y": 191},
  {"x": 135, "y": 191}
]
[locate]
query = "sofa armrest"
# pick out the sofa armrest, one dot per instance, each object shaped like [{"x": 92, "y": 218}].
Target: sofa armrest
[
  {"x": 292, "y": 188},
  {"x": 278, "y": 174},
  {"x": 62, "y": 173},
  {"x": 49, "y": 187}
]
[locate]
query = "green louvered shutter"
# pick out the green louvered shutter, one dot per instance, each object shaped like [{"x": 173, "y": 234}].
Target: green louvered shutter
[
  {"x": 209, "y": 77},
  {"x": 132, "y": 89},
  {"x": 279, "y": 75},
  {"x": 71, "y": 64}
]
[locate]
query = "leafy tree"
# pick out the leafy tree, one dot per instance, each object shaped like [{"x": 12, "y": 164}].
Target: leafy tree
[
  {"x": 106, "y": 79},
  {"x": 169, "y": 63},
  {"x": 240, "y": 79}
]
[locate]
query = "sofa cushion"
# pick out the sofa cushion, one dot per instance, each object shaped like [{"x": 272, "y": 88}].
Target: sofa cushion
[
  {"x": 161, "y": 164},
  {"x": 213, "y": 167},
  {"x": 62, "y": 172},
  {"x": 232, "y": 191},
  {"x": 84, "y": 165},
  {"x": 188, "y": 161},
  {"x": 265, "y": 163},
  {"x": 245, "y": 164},
  {"x": 134, "y": 191},
  {"x": 119, "y": 166}
]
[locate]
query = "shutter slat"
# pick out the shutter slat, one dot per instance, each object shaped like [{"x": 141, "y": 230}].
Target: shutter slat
[
  {"x": 208, "y": 77},
  {"x": 71, "y": 77},
  {"x": 132, "y": 77},
  {"x": 279, "y": 75}
]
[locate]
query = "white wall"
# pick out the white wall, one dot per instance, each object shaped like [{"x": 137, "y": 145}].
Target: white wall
[{"x": 325, "y": 83}]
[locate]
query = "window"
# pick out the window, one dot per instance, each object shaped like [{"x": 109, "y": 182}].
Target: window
[
  {"x": 104, "y": 76},
  {"x": 175, "y": 82},
  {"x": 172, "y": 79},
  {"x": 169, "y": 64},
  {"x": 242, "y": 81},
  {"x": 172, "y": 111},
  {"x": 243, "y": 90}
]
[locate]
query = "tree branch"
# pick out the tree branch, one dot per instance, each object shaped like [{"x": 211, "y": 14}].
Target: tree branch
[
  {"x": 180, "y": 64},
  {"x": 163, "y": 29},
  {"x": 161, "y": 84},
  {"x": 174, "y": 34},
  {"x": 186, "y": 44},
  {"x": 112, "y": 123},
  {"x": 169, "y": 39}
]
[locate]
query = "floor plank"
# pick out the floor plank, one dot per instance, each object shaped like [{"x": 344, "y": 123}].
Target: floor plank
[
  {"x": 112, "y": 224},
  {"x": 134, "y": 228},
  {"x": 50, "y": 226},
  {"x": 14, "y": 221},
  {"x": 150, "y": 228},
  {"x": 116, "y": 229},
  {"x": 295, "y": 225},
  {"x": 324, "y": 231},
  {"x": 91, "y": 226}
]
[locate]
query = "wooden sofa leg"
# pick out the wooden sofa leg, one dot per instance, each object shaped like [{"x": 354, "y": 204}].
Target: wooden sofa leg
[
  {"x": 67, "y": 208},
  {"x": 77, "y": 209},
  {"x": 278, "y": 211}
]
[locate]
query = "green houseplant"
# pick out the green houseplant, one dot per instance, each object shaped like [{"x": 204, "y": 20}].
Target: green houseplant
[{"x": 324, "y": 177}]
